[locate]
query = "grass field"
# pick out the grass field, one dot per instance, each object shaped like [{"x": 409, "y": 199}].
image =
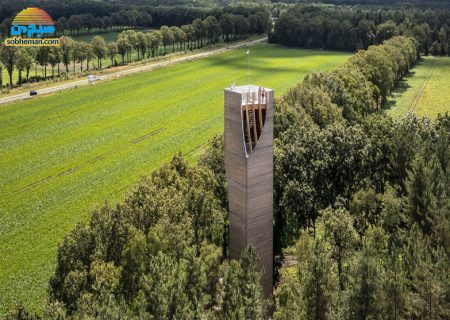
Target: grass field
[
  {"x": 425, "y": 91},
  {"x": 63, "y": 154}
]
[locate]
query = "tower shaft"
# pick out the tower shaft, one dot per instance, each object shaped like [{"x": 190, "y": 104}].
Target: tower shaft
[{"x": 249, "y": 170}]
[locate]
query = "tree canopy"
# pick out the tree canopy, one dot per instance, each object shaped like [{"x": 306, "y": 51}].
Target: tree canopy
[{"x": 347, "y": 28}]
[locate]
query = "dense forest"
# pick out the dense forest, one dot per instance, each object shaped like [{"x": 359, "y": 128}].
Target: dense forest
[
  {"x": 378, "y": 3},
  {"x": 183, "y": 11},
  {"x": 85, "y": 16},
  {"x": 361, "y": 198},
  {"x": 345, "y": 28}
]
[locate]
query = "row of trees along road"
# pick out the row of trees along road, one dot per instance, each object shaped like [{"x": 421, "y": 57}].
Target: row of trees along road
[
  {"x": 346, "y": 28},
  {"x": 145, "y": 44},
  {"x": 363, "y": 197}
]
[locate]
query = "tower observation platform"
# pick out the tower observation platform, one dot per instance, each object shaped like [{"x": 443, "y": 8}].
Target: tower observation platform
[{"x": 248, "y": 136}]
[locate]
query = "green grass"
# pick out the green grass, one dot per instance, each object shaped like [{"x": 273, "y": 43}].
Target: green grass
[
  {"x": 63, "y": 154},
  {"x": 425, "y": 91}
]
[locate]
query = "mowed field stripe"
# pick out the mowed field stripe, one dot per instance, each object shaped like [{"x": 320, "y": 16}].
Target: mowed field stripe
[
  {"x": 424, "y": 91},
  {"x": 63, "y": 154},
  {"x": 420, "y": 94}
]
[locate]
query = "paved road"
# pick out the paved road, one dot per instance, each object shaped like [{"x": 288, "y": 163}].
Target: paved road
[{"x": 125, "y": 72}]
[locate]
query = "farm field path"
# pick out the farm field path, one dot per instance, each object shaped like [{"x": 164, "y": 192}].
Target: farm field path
[
  {"x": 425, "y": 91},
  {"x": 65, "y": 153}
]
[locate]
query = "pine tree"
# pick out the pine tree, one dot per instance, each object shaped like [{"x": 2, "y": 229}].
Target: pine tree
[
  {"x": 196, "y": 282},
  {"x": 428, "y": 273},
  {"x": 420, "y": 198},
  {"x": 338, "y": 230},
  {"x": 242, "y": 295},
  {"x": 365, "y": 288},
  {"x": 19, "y": 312},
  {"x": 251, "y": 290},
  {"x": 316, "y": 276},
  {"x": 231, "y": 307},
  {"x": 289, "y": 299},
  {"x": 157, "y": 286},
  {"x": 394, "y": 286}
]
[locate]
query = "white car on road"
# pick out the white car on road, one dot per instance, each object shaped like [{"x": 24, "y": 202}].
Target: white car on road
[{"x": 92, "y": 78}]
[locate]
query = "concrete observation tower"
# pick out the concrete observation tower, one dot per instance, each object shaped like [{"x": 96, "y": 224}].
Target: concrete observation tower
[{"x": 249, "y": 170}]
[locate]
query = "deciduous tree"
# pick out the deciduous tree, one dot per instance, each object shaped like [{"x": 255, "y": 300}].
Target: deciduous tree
[
  {"x": 112, "y": 52},
  {"x": 66, "y": 44},
  {"x": 8, "y": 58},
  {"x": 100, "y": 50}
]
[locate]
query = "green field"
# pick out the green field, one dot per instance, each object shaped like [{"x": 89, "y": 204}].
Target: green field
[
  {"x": 63, "y": 154},
  {"x": 425, "y": 91}
]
